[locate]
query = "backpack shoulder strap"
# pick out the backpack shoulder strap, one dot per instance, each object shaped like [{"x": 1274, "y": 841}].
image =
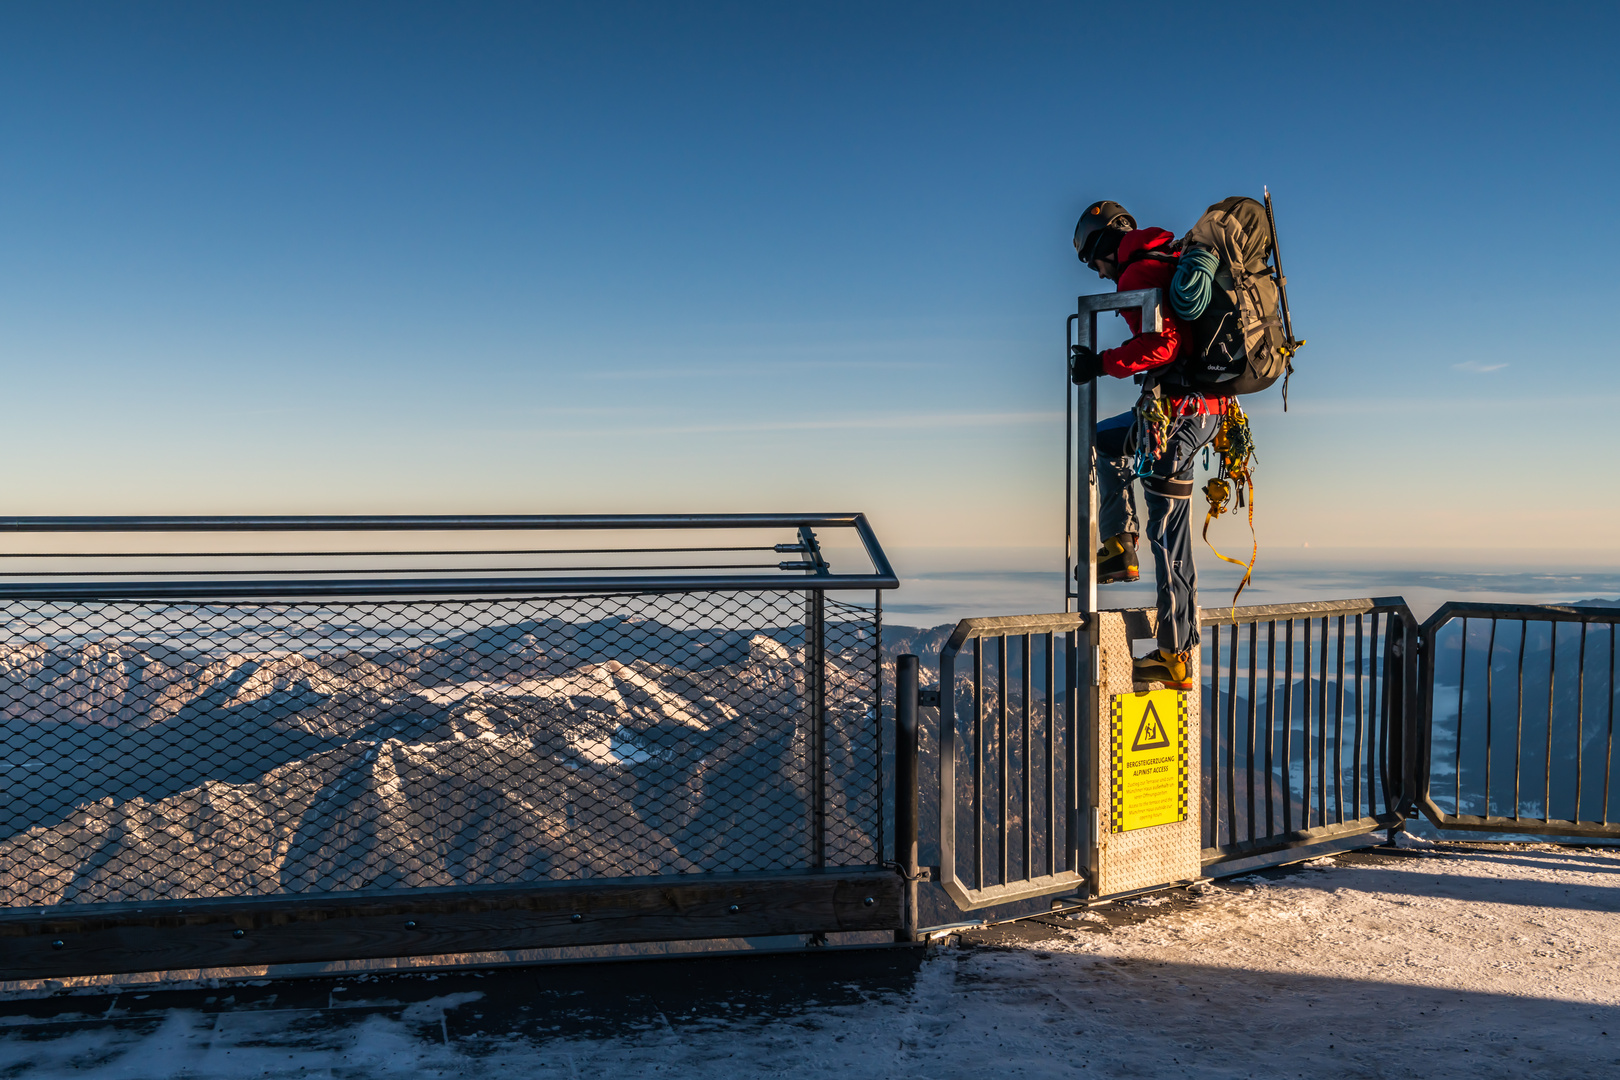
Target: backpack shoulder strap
[{"x": 1156, "y": 254}]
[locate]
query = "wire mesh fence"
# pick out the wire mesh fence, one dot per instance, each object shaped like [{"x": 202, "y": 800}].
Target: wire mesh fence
[{"x": 165, "y": 750}]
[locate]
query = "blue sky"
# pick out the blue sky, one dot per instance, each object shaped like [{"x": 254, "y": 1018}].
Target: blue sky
[{"x": 681, "y": 257}]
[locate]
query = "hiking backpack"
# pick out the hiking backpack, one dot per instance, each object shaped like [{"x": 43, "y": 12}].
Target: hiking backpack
[{"x": 1235, "y": 305}]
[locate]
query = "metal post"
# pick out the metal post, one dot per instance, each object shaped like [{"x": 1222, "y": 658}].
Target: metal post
[
  {"x": 1084, "y": 585},
  {"x": 815, "y": 658},
  {"x": 906, "y": 803},
  {"x": 1081, "y": 709},
  {"x": 1078, "y": 848}
]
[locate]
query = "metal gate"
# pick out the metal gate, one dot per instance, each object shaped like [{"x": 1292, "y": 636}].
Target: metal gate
[
  {"x": 1010, "y": 760},
  {"x": 1304, "y": 741},
  {"x": 1519, "y": 703},
  {"x": 1306, "y": 736}
]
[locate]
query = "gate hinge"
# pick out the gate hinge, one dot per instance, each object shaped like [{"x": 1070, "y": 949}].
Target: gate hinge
[{"x": 928, "y": 699}]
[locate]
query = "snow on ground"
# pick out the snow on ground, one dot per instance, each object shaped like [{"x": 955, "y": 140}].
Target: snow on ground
[{"x": 1477, "y": 961}]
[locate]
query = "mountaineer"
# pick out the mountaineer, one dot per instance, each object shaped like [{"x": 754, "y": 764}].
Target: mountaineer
[{"x": 1156, "y": 441}]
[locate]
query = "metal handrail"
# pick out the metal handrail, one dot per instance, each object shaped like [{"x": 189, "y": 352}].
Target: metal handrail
[
  {"x": 1223, "y": 616},
  {"x": 490, "y": 582}
]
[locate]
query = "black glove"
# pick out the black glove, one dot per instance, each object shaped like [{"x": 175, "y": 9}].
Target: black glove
[{"x": 1084, "y": 364}]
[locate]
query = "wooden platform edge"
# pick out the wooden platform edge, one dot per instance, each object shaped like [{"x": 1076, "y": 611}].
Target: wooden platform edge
[{"x": 39, "y": 944}]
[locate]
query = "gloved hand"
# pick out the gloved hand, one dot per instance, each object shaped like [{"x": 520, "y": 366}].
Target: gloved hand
[{"x": 1084, "y": 364}]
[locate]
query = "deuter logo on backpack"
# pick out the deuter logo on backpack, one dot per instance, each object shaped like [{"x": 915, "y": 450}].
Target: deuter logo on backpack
[{"x": 1233, "y": 302}]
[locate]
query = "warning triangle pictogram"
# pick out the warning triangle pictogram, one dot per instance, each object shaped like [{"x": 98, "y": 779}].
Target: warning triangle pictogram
[{"x": 1150, "y": 734}]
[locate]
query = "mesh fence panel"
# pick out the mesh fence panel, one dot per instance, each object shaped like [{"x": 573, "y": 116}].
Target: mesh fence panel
[{"x": 184, "y": 751}]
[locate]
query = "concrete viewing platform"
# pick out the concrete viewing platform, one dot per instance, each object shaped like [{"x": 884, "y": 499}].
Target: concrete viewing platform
[{"x": 1455, "y": 959}]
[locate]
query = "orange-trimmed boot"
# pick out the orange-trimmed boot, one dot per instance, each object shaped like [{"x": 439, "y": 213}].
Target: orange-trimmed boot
[
  {"x": 1117, "y": 560},
  {"x": 1163, "y": 667}
]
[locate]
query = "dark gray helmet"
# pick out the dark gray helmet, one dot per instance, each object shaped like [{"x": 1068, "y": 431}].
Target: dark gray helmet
[{"x": 1100, "y": 219}]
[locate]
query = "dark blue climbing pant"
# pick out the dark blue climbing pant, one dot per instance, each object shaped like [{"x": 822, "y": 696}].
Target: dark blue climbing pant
[{"x": 1168, "y": 489}]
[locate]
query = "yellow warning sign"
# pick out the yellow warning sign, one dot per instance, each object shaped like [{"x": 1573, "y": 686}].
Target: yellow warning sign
[{"x": 1149, "y": 751}]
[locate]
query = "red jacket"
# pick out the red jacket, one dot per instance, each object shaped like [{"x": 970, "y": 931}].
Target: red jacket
[{"x": 1145, "y": 352}]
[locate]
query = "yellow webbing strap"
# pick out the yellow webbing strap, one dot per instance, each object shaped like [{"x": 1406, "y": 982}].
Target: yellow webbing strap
[
  {"x": 1218, "y": 491},
  {"x": 1215, "y": 512}
]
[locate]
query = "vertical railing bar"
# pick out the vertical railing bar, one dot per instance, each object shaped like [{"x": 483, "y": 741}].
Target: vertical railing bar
[
  {"x": 978, "y": 763},
  {"x": 1355, "y": 757},
  {"x": 1271, "y": 721},
  {"x": 1580, "y": 721},
  {"x": 1305, "y": 728},
  {"x": 1338, "y": 729},
  {"x": 906, "y": 795},
  {"x": 1254, "y": 637},
  {"x": 1462, "y": 681},
  {"x": 1552, "y": 678},
  {"x": 877, "y": 712},
  {"x": 1608, "y": 755},
  {"x": 1288, "y": 726},
  {"x": 1231, "y": 740},
  {"x": 1518, "y": 739},
  {"x": 817, "y": 657},
  {"x": 1003, "y": 796},
  {"x": 1023, "y": 750},
  {"x": 1321, "y": 727},
  {"x": 1213, "y": 712},
  {"x": 1377, "y": 723},
  {"x": 1490, "y": 691},
  {"x": 1073, "y": 757},
  {"x": 1051, "y": 774}
]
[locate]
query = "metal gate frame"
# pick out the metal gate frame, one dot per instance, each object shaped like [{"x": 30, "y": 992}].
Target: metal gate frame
[
  {"x": 1071, "y": 758},
  {"x": 1424, "y": 750},
  {"x": 1390, "y": 734}
]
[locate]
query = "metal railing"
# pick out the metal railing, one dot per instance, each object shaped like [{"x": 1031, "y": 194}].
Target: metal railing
[
  {"x": 261, "y": 756},
  {"x": 1305, "y": 740},
  {"x": 1009, "y": 754},
  {"x": 1080, "y": 538},
  {"x": 1304, "y": 724},
  {"x": 1521, "y": 701},
  {"x": 65, "y": 573}
]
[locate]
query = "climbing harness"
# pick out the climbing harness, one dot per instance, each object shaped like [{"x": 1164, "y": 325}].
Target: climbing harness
[
  {"x": 1234, "y": 442},
  {"x": 1156, "y": 421},
  {"x": 1154, "y": 424}
]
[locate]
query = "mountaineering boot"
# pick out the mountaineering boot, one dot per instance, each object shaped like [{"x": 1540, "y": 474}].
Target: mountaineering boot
[
  {"x": 1161, "y": 666},
  {"x": 1117, "y": 560}
]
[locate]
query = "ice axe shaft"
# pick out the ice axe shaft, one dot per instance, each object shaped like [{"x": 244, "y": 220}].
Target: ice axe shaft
[{"x": 1282, "y": 279}]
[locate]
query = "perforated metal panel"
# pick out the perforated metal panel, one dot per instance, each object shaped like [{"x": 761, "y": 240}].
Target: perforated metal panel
[{"x": 1141, "y": 858}]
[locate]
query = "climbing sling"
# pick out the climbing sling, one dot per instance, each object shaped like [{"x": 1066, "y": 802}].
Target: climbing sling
[{"x": 1234, "y": 442}]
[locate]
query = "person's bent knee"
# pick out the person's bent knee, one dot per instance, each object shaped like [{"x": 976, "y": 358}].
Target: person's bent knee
[{"x": 1114, "y": 443}]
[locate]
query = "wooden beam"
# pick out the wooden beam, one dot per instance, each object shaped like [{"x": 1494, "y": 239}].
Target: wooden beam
[{"x": 107, "y": 939}]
